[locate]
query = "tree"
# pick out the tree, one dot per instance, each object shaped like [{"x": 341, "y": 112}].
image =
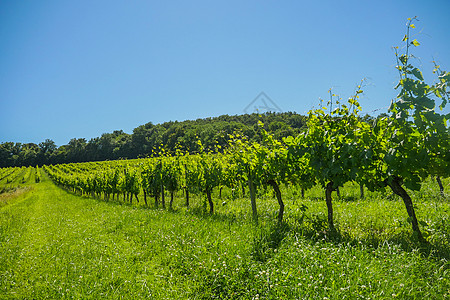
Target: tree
[
  {"x": 46, "y": 148},
  {"x": 76, "y": 150}
]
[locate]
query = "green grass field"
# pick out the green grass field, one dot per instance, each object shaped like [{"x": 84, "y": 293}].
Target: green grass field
[{"x": 57, "y": 245}]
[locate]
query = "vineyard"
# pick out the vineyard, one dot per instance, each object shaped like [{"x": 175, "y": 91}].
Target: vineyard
[
  {"x": 346, "y": 209},
  {"x": 17, "y": 180},
  {"x": 97, "y": 240}
]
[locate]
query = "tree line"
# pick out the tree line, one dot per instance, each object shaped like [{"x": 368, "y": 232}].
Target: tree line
[{"x": 148, "y": 138}]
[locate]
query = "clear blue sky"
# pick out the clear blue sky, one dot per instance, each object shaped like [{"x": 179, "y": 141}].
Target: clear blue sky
[{"x": 77, "y": 69}]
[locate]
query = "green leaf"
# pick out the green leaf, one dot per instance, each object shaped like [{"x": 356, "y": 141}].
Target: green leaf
[
  {"x": 289, "y": 140},
  {"x": 416, "y": 72},
  {"x": 403, "y": 59},
  {"x": 415, "y": 43},
  {"x": 428, "y": 103},
  {"x": 413, "y": 183},
  {"x": 445, "y": 77},
  {"x": 423, "y": 223},
  {"x": 437, "y": 93}
]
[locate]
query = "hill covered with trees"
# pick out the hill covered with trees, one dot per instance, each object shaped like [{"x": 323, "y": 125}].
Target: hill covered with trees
[{"x": 149, "y": 137}]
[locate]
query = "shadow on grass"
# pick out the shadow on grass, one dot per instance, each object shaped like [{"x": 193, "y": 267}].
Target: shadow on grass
[
  {"x": 406, "y": 241},
  {"x": 314, "y": 228},
  {"x": 230, "y": 218},
  {"x": 267, "y": 240},
  {"x": 349, "y": 198}
]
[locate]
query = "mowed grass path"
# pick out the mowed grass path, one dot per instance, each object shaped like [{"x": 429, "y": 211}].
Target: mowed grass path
[{"x": 57, "y": 245}]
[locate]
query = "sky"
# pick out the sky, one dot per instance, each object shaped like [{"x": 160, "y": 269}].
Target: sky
[{"x": 78, "y": 69}]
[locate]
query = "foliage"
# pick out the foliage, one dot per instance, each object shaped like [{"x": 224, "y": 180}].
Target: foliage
[{"x": 417, "y": 135}]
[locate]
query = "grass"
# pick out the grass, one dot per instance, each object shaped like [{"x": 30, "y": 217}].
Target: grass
[{"x": 57, "y": 245}]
